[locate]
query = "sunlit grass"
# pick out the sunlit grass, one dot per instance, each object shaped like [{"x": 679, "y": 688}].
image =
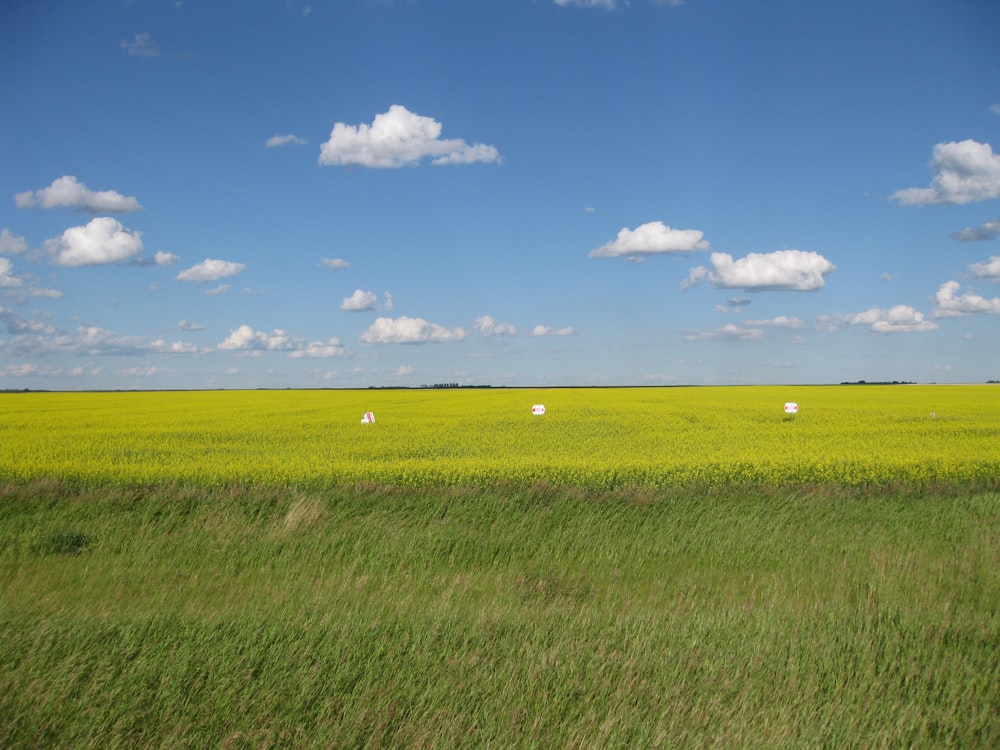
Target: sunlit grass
[{"x": 543, "y": 617}]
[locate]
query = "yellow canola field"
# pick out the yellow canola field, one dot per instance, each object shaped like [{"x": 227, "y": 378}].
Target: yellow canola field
[{"x": 598, "y": 438}]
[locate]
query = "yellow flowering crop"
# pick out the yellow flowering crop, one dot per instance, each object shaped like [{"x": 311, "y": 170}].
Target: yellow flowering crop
[{"x": 590, "y": 437}]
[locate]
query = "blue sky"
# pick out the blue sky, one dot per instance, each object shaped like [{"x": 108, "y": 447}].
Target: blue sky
[{"x": 353, "y": 193}]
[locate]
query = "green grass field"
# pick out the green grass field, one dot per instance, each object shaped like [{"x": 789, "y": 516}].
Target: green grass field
[{"x": 187, "y": 608}]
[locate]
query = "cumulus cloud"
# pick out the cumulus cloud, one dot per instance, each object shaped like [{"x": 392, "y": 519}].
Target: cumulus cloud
[
  {"x": 897, "y": 319},
  {"x": 7, "y": 278},
  {"x": 276, "y": 141},
  {"x": 948, "y": 303},
  {"x": 728, "y": 332},
  {"x": 964, "y": 172},
  {"x": 652, "y": 238},
  {"x": 399, "y": 138},
  {"x": 782, "y": 270},
  {"x": 320, "y": 349},
  {"x": 987, "y": 231},
  {"x": 488, "y": 326},
  {"x": 67, "y": 192},
  {"x": 782, "y": 321},
  {"x": 360, "y": 301},
  {"x": 404, "y": 330},
  {"x": 164, "y": 259},
  {"x": 12, "y": 244},
  {"x": 543, "y": 330},
  {"x": 334, "y": 263},
  {"x": 245, "y": 338},
  {"x": 103, "y": 240},
  {"x": 989, "y": 269},
  {"x": 211, "y": 269}
]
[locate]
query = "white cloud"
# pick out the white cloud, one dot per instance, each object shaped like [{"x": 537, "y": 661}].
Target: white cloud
[
  {"x": 403, "y": 370},
  {"x": 543, "y": 330},
  {"x": 247, "y": 338},
  {"x": 334, "y": 263},
  {"x": 399, "y": 138},
  {"x": 989, "y": 269},
  {"x": 360, "y": 301},
  {"x": 965, "y": 172},
  {"x": 103, "y": 240},
  {"x": 488, "y": 326},
  {"x": 66, "y": 192},
  {"x": 320, "y": 349},
  {"x": 728, "y": 332},
  {"x": 652, "y": 238},
  {"x": 897, "y": 319},
  {"x": 995, "y": 108},
  {"x": 276, "y": 141},
  {"x": 218, "y": 290},
  {"x": 609, "y": 4},
  {"x": 406, "y": 330},
  {"x": 782, "y": 270},
  {"x": 164, "y": 259},
  {"x": 12, "y": 244},
  {"x": 949, "y": 304},
  {"x": 141, "y": 46},
  {"x": 186, "y": 325},
  {"x": 782, "y": 321},
  {"x": 211, "y": 270},
  {"x": 986, "y": 231},
  {"x": 7, "y": 278}
]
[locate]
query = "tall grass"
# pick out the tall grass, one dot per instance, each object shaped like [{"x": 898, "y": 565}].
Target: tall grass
[{"x": 535, "y": 617}]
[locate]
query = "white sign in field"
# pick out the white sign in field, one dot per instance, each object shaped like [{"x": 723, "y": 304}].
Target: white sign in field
[
  {"x": 791, "y": 408},
  {"x": 368, "y": 418},
  {"x": 538, "y": 409}
]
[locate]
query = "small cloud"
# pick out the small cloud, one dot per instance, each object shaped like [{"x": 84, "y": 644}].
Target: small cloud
[
  {"x": 7, "y": 278},
  {"x": 782, "y": 321},
  {"x": 488, "y": 326},
  {"x": 782, "y": 270},
  {"x": 334, "y": 263},
  {"x": 987, "y": 231},
  {"x": 403, "y": 371},
  {"x": 186, "y": 325},
  {"x": 885, "y": 277},
  {"x": 211, "y": 269},
  {"x": 12, "y": 244},
  {"x": 728, "y": 332},
  {"x": 141, "y": 46},
  {"x": 67, "y": 192},
  {"x": 220, "y": 289},
  {"x": 543, "y": 330},
  {"x": 360, "y": 301},
  {"x": 897, "y": 319},
  {"x": 964, "y": 172},
  {"x": 102, "y": 241},
  {"x": 948, "y": 303},
  {"x": 320, "y": 349},
  {"x": 399, "y": 138},
  {"x": 406, "y": 330},
  {"x": 652, "y": 238},
  {"x": 276, "y": 141},
  {"x": 989, "y": 269},
  {"x": 589, "y": 210},
  {"x": 995, "y": 109}
]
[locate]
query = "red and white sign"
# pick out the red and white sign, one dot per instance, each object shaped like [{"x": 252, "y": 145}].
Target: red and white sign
[
  {"x": 791, "y": 408},
  {"x": 368, "y": 418},
  {"x": 538, "y": 409}
]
